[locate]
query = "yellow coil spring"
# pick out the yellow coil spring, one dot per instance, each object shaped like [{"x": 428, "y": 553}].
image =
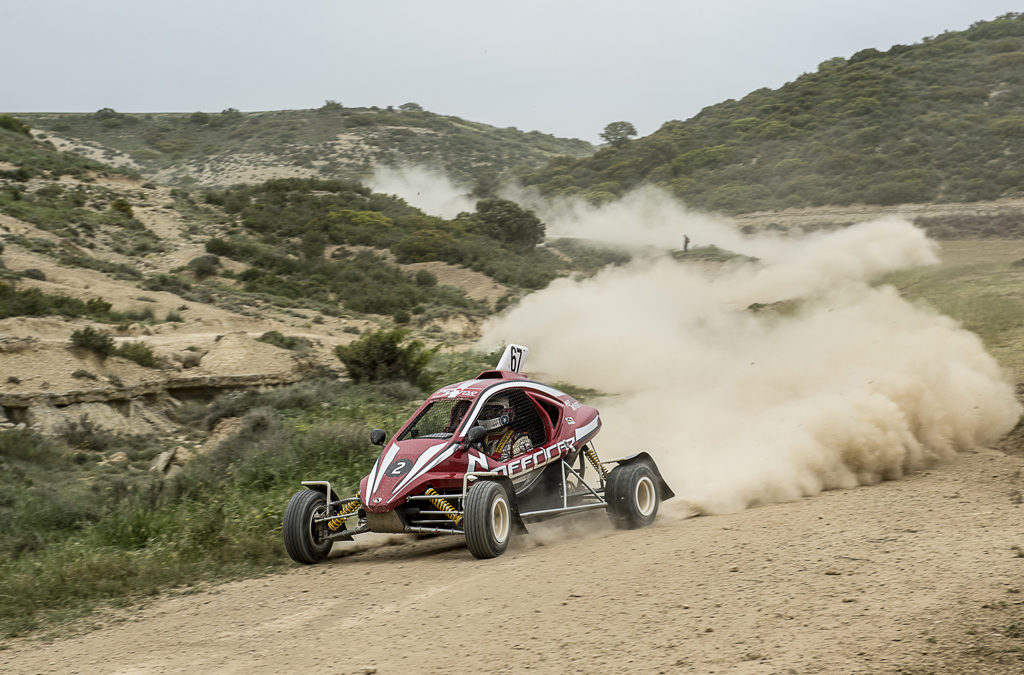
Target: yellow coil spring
[
  {"x": 346, "y": 510},
  {"x": 592, "y": 456},
  {"x": 443, "y": 504}
]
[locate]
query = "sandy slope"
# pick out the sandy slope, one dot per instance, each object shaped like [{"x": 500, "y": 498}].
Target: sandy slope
[{"x": 916, "y": 575}]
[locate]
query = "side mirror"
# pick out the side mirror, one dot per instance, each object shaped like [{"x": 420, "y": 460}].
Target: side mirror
[
  {"x": 475, "y": 436},
  {"x": 378, "y": 436}
]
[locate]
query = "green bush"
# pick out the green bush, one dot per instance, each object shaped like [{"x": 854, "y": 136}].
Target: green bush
[
  {"x": 426, "y": 279},
  {"x": 15, "y": 125},
  {"x": 97, "y": 342},
  {"x": 380, "y": 356},
  {"x": 140, "y": 353},
  {"x": 122, "y": 206},
  {"x": 33, "y": 302},
  {"x": 205, "y": 265},
  {"x": 219, "y": 246},
  {"x": 283, "y": 341},
  {"x": 170, "y": 283}
]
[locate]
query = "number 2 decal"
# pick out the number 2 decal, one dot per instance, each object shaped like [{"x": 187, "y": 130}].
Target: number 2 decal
[{"x": 399, "y": 467}]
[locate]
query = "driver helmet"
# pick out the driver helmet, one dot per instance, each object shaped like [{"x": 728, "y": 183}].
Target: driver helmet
[{"x": 496, "y": 413}]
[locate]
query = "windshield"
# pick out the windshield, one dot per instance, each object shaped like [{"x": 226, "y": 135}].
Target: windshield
[{"x": 440, "y": 419}]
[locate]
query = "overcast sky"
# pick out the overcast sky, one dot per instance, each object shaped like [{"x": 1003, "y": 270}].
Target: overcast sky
[{"x": 562, "y": 67}]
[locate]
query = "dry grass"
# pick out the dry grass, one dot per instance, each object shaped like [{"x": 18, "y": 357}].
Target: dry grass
[{"x": 979, "y": 285}]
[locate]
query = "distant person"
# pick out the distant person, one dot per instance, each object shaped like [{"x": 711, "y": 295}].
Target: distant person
[{"x": 686, "y": 242}]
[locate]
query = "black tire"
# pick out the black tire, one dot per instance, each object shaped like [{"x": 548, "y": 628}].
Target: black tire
[
  {"x": 304, "y": 541},
  {"x": 633, "y": 496},
  {"x": 487, "y": 519}
]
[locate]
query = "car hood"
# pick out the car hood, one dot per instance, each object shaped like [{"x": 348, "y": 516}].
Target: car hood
[{"x": 402, "y": 467}]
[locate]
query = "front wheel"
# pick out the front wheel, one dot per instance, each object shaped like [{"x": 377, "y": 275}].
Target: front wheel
[
  {"x": 487, "y": 520},
  {"x": 632, "y": 495},
  {"x": 304, "y": 539}
]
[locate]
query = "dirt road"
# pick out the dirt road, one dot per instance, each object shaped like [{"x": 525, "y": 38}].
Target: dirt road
[{"x": 924, "y": 574}]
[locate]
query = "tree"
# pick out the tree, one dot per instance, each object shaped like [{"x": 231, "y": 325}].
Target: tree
[
  {"x": 617, "y": 133},
  {"x": 509, "y": 222},
  {"x": 411, "y": 107}
]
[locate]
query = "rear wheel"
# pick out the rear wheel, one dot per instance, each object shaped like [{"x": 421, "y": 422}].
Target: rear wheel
[
  {"x": 632, "y": 495},
  {"x": 305, "y": 540},
  {"x": 487, "y": 519}
]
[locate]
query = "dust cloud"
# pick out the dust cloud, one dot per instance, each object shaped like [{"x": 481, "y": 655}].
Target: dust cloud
[
  {"x": 760, "y": 380},
  {"x": 427, "y": 189}
]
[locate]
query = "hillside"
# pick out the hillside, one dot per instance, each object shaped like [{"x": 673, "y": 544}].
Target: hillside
[
  {"x": 289, "y": 267},
  {"x": 220, "y": 149},
  {"x": 940, "y": 120}
]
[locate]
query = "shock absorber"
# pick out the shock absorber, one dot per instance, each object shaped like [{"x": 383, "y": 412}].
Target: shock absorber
[
  {"x": 338, "y": 521},
  {"x": 444, "y": 505},
  {"x": 592, "y": 456}
]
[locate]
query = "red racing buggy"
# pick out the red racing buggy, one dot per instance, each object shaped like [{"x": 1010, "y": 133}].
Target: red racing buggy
[{"x": 480, "y": 458}]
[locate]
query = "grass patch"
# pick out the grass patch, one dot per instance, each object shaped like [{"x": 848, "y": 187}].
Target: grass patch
[
  {"x": 986, "y": 298},
  {"x": 123, "y": 534}
]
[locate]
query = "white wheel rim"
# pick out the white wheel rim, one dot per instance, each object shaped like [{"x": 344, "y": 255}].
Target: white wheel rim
[
  {"x": 500, "y": 520},
  {"x": 646, "y": 497}
]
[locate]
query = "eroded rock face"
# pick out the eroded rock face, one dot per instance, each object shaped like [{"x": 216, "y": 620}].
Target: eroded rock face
[
  {"x": 131, "y": 416},
  {"x": 14, "y": 345},
  {"x": 48, "y": 386}
]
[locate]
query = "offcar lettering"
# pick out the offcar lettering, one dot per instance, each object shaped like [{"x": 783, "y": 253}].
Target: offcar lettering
[{"x": 537, "y": 458}]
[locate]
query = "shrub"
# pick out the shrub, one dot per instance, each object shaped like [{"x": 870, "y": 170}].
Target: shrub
[
  {"x": 122, "y": 206},
  {"x": 379, "y": 357},
  {"x": 98, "y": 342},
  {"x": 426, "y": 279},
  {"x": 25, "y": 444},
  {"x": 33, "y": 273},
  {"x": 219, "y": 246},
  {"x": 167, "y": 282},
  {"x": 140, "y": 353},
  {"x": 283, "y": 341},
  {"x": 15, "y": 125},
  {"x": 204, "y": 266},
  {"x": 85, "y": 435}
]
